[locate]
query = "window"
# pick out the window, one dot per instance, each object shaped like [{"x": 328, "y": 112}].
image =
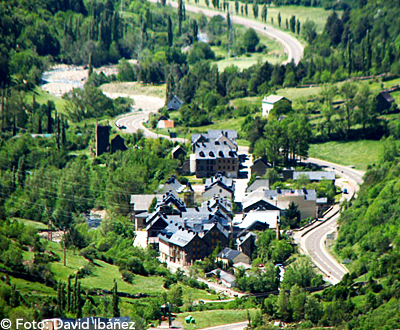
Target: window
[{"x": 220, "y": 191}]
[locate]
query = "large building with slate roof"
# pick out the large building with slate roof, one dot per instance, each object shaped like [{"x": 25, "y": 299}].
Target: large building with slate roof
[{"x": 215, "y": 151}]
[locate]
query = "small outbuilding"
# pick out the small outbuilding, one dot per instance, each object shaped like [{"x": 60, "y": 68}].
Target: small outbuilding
[
  {"x": 384, "y": 101},
  {"x": 174, "y": 103},
  {"x": 269, "y": 102}
]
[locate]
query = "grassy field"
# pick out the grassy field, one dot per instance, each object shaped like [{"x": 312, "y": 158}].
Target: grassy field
[
  {"x": 251, "y": 100},
  {"x": 101, "y": 274},
  {"x": 42, "y": 97},
  {"x": 27, "y": 287},
  {"x": 275, "y": 54},
  {"x": 33, "y": 224},
  {"x": 358, "y": 153},
  {"x": 212, "y": 318}
]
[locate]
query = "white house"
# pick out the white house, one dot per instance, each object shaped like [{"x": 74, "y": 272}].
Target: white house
[{"x": 269, "y": 102}]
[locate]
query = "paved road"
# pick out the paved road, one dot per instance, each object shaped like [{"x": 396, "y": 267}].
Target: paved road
[
  {"x": 312, "y": 240},
  {"x": 134, "y": 122},
  {"x": 232, "y": 326},
  {"x": 355, "y": 175},
  {"x": 293, "y": 48}
]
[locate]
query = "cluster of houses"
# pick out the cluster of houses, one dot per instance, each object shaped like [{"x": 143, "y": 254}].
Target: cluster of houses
[{"x": 186, "y": 224}]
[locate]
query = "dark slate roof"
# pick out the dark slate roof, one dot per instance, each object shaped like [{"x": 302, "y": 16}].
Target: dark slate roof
[
  {"x": 262, "y": 161},
  {"x": 177, "y": 148},
  {"x": 181, "y": 237},
  {"x": 207, "y": 150},
  {"x": 215, "y": 134},
  {"x": 244, "y": 238},
  {"x": 173, "y": 184},
  {"x": 387, "y": 96},
  {"x": 268, "y": 195},
  {"x": 223, "y": 275},
  {"x": 198, "y": 138},
  {"x": 219, "y": 180},
  {"x": 212, "y": 135},
  {"x": 154, "y": 219},
  {"x": 315, "y": 176},
  {"x": 171, "y": 198},
  {"x": 207, "y": 227},
  {"x": 174, "y": 99},
  {"x": 309, "y": 194},
  {"x": 228, "y": 253},
  {"x": 215, "y": 202},
  {"x": 259, "y": 183}
]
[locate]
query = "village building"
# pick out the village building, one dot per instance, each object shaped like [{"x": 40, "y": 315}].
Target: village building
[
  {"x": 118, "y": 144},
  {"x": 172, "y": 184},
  {"x": 269, "y": 218},
  {"x": 213, "y": 152},
  {"x": 224, "y": 277},
  {"x": 269, "y": 102},
  {"x": 260, "y": 167},
  {"x": 219, "y": 186},
  {"x": 102, "y": 139},
  {"x": 174, "y": 103},
  {"x": 166, "y": 123},
  {"x": 229, "y": 256},
  {"x": 246, "y": 243},
  {"x": 279, "y": 199},
  {"x": 178, "y": 152},
  {"x": 258, "y": 184},
  {"x": 384, "y": 101}
]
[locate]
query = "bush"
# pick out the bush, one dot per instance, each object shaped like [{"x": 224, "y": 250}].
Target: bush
[{"x": 127, "y": 276}]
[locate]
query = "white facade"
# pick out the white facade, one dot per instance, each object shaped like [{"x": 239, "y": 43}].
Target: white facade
[{"x": 268, "y": 103}]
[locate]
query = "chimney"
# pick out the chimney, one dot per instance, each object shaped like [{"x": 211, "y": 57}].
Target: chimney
[
  {"x": 185, "y": 223},
  {"x": 278, "y": 190}
]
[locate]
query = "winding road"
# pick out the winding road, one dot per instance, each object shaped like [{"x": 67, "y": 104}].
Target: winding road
[
  {"x": 312, "y": 239},
  {"x": 293, "y": 48}
]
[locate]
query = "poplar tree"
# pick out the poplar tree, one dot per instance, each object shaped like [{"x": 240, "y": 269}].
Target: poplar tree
[
  {"x": 255, "y": 9},
  {"x": 69, "y": 294},
  {"x": 264, "y": 13},
  {"x": 115, "y": 300},
  {"x": 180, "y": 17},
  {"x": 170, "y": 32}
]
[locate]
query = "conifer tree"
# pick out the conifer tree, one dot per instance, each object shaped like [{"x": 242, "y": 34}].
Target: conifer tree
[
  {"x": 170, "y": 32},
  {"x": 115, "y": 300},
  {"x": 68, "y": 307},
  {"x": 180, "y": 17}
]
